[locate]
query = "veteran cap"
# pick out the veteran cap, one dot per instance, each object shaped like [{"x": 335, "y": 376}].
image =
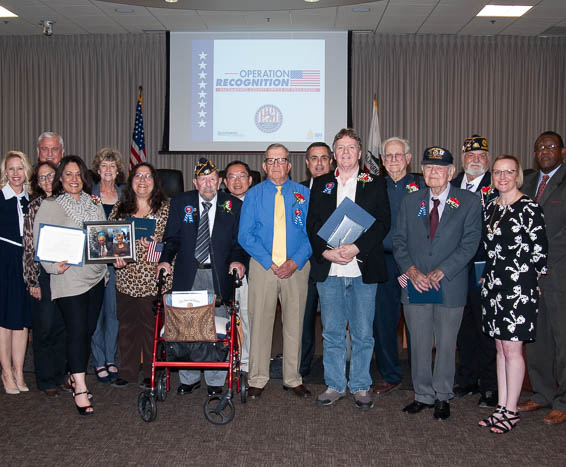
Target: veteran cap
[
  {"x": 475, "y": 143},
  {"x": 438, "y": 156},
  {"x": 204, "y": 167}
]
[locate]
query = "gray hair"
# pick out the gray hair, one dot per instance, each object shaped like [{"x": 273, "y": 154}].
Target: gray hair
[
  {"x": 276, "y": 146},
  {"x": 396, "y": 139},
  {"x": 50, "y": 134}
]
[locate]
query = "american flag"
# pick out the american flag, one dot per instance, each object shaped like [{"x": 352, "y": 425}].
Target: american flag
[
  {"x": 403, "y": 279},
  {"x": 154, "y": 252},
  {"x": 305, "y": 78},
  {"x": 137, "y": 150}
]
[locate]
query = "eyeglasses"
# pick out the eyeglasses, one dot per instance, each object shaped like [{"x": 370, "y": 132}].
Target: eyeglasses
[
  {"x": 278, "y": 161},
  {"x": 396, "y": 156},
  {"x": 542, "y": 147},
  {"x": 143, "y": 176},
  {"x": 471, "y": 155},
  {"x": 49, "y": 176},
  {"x": 504, "y": 173},
  {"x": 236, "y": 177}
]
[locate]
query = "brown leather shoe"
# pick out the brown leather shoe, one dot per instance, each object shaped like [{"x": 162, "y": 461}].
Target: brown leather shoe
[
  {"x": 528, "y": 406},
  {"x": 383, "y": 387},
  {"x": 50, "y": 392},
  {"x": 299, "y": 391},
  {"x": 65, "y": 387},
  {"x": 555, "y": 417},
  {"x": 254, "y": 393}
]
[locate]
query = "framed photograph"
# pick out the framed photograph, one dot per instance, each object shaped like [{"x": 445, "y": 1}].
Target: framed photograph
[{"x": 106, "y": 241}]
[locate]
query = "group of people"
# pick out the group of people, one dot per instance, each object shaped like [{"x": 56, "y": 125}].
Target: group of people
[{"x": 474, "y": 262}]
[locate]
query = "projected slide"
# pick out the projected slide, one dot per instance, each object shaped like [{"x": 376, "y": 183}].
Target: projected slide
[
  {"x": 270, "y": 82},
  {"x": 242, "y": 92}
]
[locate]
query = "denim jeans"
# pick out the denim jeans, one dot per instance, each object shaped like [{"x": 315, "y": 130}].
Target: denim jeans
[
  {"x": 104, "y": 342},
  {"x": 347, "y": 300}
]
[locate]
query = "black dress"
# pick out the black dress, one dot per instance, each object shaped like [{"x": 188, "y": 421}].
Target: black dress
[
  {"x": 15, "y": 301},
  {"x": 514, "y": 239}
]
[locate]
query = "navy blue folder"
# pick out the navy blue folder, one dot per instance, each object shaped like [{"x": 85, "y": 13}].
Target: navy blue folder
[
  {"x": 345, "y": 224},
  {"x": 144, "y": 227},
  {"x": 430, "y": 296}
]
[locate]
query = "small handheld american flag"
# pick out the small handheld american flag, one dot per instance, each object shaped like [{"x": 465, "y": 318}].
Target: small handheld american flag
[
  {"x": 403, "y": 278},
  {"x": 154, "y": 252}
]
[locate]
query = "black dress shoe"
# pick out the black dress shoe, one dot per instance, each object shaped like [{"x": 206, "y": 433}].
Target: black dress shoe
[
  {"x": 416, "y": 407},
  {"x": 187, "y": 388},
  {"x": 215, "y": 390},
  {"x": 300, "y": 391},
  {"x": 461, "y": 391},
  {"x": 119, "y": 383},
  {"x": 441, "y": 410},
  {"x": 254, "y": 393},
  {"x": 488, "y": 399}
]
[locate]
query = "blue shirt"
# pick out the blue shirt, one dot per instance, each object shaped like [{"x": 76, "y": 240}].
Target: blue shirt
[
  {"x": 396, "y": 191},
  {"x": 256, "y": 222}
]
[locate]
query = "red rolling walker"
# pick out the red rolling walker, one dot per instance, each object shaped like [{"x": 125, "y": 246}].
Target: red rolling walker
[{"x": 218, "y": 409}]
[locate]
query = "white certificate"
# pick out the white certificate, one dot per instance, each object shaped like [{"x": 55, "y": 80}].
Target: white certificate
[{"x": 56, "y": 243}]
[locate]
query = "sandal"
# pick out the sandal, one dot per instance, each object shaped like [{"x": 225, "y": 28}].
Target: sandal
[
  {"x": 112, "y": 371},
  {"x": 102, "y": 379},
  {"x": 505, "y": 424},
  {"x": 492, "y": 419},
  {"x": 83, "y": 410},
  {"x": 71, "y": 382}
]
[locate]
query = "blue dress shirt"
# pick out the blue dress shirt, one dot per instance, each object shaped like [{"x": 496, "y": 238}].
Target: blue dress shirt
[{"x": 256, "y": 222}]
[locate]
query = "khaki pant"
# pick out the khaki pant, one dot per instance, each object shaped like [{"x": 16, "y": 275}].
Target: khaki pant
[{"x": 264, "y": 290}]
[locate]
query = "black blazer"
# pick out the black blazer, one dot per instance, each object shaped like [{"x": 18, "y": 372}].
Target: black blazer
[
  {"x": 180, "y": 240},
  {"x": 373, "y": 198}
]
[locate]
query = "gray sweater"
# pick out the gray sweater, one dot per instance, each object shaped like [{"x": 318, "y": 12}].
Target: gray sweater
[{"x": 77, "y": 279}]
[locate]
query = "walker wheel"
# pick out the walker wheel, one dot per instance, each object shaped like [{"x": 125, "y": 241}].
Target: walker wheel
[
  {"x": 219, "y": 410},
  {"x": 147, "y": 407},
  {"x": 161, "y": 386},
  {"x": 243, "y": 387}
]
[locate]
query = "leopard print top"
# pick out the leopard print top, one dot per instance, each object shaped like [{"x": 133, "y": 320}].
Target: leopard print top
[{"x": 138, "y": 279}]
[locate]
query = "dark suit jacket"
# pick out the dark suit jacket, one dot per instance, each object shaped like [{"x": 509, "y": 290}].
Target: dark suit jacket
[
  {"x": 454, "y": 245},
  {"x": 553, "y": 203},
  {"x": 373, "y": 198},
  {"x": 480, "y": 254},
  {"x": 180, "y": 240}
]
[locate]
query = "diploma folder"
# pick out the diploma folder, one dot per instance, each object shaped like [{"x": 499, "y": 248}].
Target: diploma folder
[
  {"x": 144, "y": 227},
  {"x": 418, "y": 298},
  {"x": 346, "y": 224},
  {"x": 56, "y": 243}
]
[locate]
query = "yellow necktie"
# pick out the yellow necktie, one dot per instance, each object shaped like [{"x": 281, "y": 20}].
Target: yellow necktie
[{"x": 279, "y": 251}]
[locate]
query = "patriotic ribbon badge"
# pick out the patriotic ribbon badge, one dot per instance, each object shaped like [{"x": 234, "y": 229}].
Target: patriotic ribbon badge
[
  {"x": 328, "y": 188},
  {"x": 422, "y": 209},
  {"x": 189, "y": 210},
  {"x": 298, "y": 219}
]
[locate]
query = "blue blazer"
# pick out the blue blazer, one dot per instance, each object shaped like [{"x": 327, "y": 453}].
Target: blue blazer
[{"x": 180, "y": 241}]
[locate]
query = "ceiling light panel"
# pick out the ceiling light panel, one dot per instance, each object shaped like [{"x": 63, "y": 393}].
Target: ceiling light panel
[{"x": 510, "y": 11}]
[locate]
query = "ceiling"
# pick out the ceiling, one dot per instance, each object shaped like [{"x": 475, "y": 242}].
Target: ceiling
[{"x": 547, "y": 17}]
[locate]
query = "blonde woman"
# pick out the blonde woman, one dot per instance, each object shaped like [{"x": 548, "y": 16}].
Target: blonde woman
[
  {"x": 15, "y": 308},
  {"x": 108, "y": 165}
]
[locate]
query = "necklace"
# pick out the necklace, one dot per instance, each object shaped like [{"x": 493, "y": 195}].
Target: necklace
[{"x": 491, "y": 226}]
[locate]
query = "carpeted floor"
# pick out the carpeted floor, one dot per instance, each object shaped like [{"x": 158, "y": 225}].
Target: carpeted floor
[{"x": 278, "y": 429}]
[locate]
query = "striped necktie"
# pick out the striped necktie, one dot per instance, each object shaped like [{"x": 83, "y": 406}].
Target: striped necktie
[
  {"x": 541, "y": 187},
  {"x": 203, "y": 235},
  {"x": 279, "y": 250}
]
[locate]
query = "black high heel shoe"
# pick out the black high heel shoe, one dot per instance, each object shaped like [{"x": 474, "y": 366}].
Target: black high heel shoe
[
  {"x": 83, "y": 410},
  {"x": 71, "y": 382}
]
